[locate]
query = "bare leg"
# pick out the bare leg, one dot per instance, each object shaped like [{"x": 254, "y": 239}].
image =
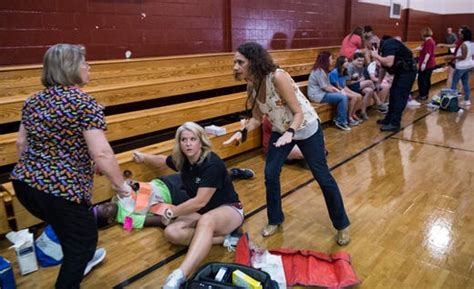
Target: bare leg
[
  {"x": 366, "y": 86},
  {"x": 367, "y": 95},
  {"x": 355, "y": 101},
  {"x": 218, "y": 222}
]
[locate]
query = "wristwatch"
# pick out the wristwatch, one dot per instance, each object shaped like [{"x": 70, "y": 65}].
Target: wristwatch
[{"x": 292, "y": 130}]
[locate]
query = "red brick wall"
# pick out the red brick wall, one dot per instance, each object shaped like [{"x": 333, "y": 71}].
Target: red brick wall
[
  {"x": 378, "y": 17},
  {"x": 109, "y": 28},
  {"x": 418, "y": 20},
  {"x": 288, "y": 24},
  {"x": 171, "y": 27},
  {"x": 457, "y": 20}
]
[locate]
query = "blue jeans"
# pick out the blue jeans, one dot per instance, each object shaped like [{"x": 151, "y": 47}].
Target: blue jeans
[
  {"x": 462, "y": 74},
  {"x": 340, "y": 100},
  {"x": 314, "y": 154}
]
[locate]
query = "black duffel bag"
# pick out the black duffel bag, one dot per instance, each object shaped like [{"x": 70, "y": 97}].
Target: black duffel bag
[{"x": 204, "y": 278}]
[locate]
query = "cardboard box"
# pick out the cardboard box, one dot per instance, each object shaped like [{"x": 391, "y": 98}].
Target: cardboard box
[{"x": 25, "y": 250}]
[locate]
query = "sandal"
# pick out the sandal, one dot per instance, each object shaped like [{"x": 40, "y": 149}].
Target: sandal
[
  {"x": 343, "y": 238},
  {"x": 269, "y": 230}
]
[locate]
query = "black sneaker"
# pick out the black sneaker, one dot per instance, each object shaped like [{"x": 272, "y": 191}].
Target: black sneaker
[
  {"x": 242, "y": 174},
  {"x": 390, "y": 127},
  {"x": 382, "y": 121}
]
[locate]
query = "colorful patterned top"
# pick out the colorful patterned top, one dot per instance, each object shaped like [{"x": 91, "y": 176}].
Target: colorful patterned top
[{"x": 56, "y": 160}]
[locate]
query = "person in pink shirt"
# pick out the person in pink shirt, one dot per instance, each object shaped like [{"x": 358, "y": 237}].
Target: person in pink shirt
[
  {"x": 426, "y": 63},
  {"x": 353, "y": 43}
]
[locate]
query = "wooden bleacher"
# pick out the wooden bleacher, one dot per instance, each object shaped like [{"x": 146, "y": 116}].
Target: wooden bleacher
[{"x": 129, "y": 82}]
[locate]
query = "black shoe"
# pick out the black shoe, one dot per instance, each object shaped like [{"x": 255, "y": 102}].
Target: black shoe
[
  {"x": 422, "y": 98},
  {"x": 390, "y": 127},
  {"x": 382, "y": 121},
  {"x": 242, "y": 174}
]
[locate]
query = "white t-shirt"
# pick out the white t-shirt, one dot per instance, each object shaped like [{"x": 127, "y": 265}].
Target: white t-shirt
[
  {"x": 466, "y": 63},
  {"x": 372, "y": 68}
]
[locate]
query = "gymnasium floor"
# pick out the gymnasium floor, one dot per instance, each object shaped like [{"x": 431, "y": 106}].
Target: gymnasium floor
[{"x": 409, "y": 196}]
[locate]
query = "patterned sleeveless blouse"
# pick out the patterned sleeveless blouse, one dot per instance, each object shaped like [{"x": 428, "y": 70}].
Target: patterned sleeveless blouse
[{"x": 280, "y": 114}]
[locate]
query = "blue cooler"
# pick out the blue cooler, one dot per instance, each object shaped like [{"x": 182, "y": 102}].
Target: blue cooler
[{"x": 7, "y": 280}]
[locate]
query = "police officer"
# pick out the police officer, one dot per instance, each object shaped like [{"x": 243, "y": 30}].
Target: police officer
[{"x": 397, "y": 59}]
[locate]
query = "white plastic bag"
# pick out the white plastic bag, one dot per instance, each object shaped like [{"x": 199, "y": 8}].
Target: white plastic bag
[{"x": 272, "y": 264}]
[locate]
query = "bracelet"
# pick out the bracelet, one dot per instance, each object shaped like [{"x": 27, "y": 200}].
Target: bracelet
[{"x": 292, "y": 130}]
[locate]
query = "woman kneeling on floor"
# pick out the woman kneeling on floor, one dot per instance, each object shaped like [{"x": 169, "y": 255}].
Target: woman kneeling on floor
[{"x": 213, "y": 210}]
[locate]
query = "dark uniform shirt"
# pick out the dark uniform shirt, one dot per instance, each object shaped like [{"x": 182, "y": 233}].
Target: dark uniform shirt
[
  {"x": 210, "y": 173},
  {"x": 403, "y": 55}
]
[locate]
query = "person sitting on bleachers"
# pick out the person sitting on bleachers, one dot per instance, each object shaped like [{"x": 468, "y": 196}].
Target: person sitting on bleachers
[
  {"x": 352, "y": 43},
  {"x": 357, "y": 82},
  {"x": 382, "y": 87},
  {"x": 371, "y": 39},
  {"x": 338, "y": 77},
  {"x": 321, "y": 91}
]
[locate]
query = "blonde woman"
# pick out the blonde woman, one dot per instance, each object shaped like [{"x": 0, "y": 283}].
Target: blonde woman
[{"x": 213, "y": 210}]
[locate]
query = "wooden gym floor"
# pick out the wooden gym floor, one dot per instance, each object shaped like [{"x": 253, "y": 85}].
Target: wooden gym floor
[{"x": 409, "y": 196}]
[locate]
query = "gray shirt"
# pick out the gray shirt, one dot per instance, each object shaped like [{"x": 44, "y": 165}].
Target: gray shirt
[
  {"x": 317, "y": 81},
  {"x": 353, "y": 71},
  {"x": 451, "y": 38}
]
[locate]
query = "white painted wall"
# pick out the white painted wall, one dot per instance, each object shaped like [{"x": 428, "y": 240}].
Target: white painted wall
[{"x": 433, "y": 6}]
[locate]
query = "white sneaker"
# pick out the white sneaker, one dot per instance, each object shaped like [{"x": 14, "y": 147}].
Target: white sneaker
[
  {"x": 413, "y": 102},
  {"x": 99, "y": 255},
  {"x": 230, "y": 242},
  {"x": 174, "y": 280},
  {"x": 467, "y": 102}
]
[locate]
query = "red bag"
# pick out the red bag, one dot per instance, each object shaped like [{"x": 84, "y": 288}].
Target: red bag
[
  {"x": 307, "y": 267},
  {"x": 242, "y": 251},
  {"x": 312, "y": 268}
]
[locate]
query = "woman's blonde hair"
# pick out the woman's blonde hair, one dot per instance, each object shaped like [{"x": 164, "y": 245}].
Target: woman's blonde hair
[
  {"x": 426, "y": 32},
  {"x": 62, "y": 64},
  {"x": 198, "y": 131}
]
